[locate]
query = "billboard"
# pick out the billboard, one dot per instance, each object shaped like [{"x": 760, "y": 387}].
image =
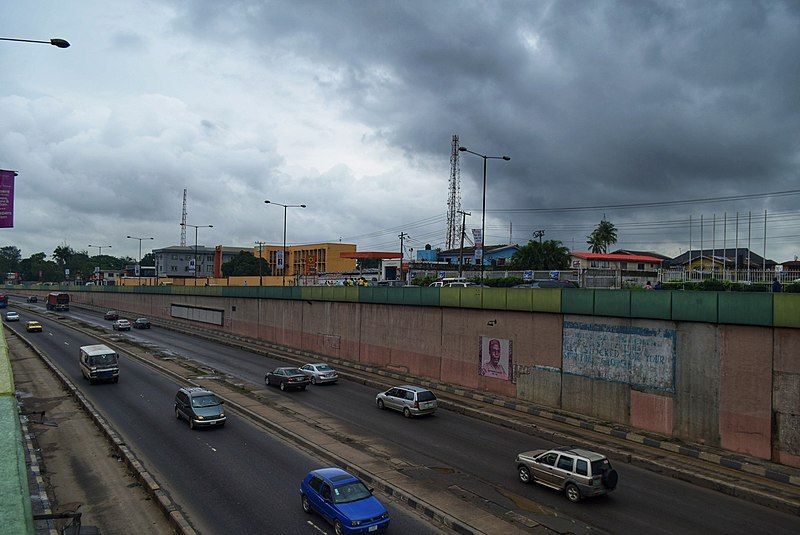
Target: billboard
[
  {"x": 7, "y": 198},
  {"x": 279, "y": 259},
  {"x": 495, "y": 358}
]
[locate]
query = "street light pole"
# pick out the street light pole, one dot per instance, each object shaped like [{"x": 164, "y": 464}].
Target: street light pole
[
  {"x": 60, "y": 43},
  {"x": 99, "y": 254},
  {"x": 285, "y": 207},
  {"x": 195, "y": 245},
  {"x": 140, "y": 254},
  {"x": 483, "y": 212}
]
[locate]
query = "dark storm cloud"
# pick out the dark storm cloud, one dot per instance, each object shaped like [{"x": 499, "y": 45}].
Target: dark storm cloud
[{"x": 613, "y": 101}]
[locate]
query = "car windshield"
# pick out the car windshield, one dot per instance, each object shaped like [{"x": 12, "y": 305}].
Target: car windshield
[
  {"x": 205, "y": 401},
  {"x": 425, "y": 396},
  {"x": 292, "y": 371},
  {"x": 103, "y": 360},
  {"x": 324, "y": 368},
  {"x": 350, "y": 492},
  {"x": 141, "y": 320}
]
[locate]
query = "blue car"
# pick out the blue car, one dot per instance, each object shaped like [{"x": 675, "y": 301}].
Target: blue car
[{"x": 343, "y": 500}]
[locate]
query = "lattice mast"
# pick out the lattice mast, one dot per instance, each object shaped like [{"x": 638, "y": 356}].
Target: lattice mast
[
  {"x": 454, "y": 198},
  {"x": 183, "y": 220}
]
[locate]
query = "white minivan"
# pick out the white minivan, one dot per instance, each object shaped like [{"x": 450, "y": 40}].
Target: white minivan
[{"x": 99, "y": 363}]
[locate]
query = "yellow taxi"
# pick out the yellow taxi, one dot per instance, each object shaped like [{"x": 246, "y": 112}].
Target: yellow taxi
[{"x": 33, "y": 327}]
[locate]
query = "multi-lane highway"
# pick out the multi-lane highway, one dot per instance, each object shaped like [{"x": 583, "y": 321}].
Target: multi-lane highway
[
  {"x": 480, "y": 455},
  {"x": 236, "y": 479}
]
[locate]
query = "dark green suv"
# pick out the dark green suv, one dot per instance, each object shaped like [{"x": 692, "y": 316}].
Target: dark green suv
[{"x": 200, "y": 407}]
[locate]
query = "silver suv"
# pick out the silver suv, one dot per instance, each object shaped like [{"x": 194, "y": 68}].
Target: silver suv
[
  {"x": 577, "y": 472},
  {"x": 410, "y": 400}
]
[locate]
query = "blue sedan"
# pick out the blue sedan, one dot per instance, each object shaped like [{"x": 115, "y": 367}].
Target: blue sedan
[{"x": 343, "y": 500}]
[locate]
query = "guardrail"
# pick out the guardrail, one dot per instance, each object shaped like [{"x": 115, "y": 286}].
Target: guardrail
[{"x": 15, "y": 504}]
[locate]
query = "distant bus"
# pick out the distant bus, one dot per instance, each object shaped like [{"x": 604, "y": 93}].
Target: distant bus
[
  {"x": 3, "y": 300},
  {"x": 58, "y": 301}
]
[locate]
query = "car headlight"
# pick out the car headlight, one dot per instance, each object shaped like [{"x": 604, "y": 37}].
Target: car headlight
[
  {"x": 385, "y": 515},
  {"x": 222, "y": 415},
  {"x": 356, "y": 522},
  {"x": 199, "y": 417}
]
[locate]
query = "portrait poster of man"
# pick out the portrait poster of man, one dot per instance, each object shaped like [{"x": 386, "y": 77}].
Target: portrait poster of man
[{"x": 496, "y": 358}]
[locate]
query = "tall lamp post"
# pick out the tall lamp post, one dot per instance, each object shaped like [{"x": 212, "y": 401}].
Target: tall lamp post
[
  {"x": 99, "y": 253},
  {"x": 139, "y": 265},
  {"x": 195, "y": 227},
  {"x": 483, "y": 210},
  {"x": 60, "y": 43},
  {"x": 285, "y": 206}
]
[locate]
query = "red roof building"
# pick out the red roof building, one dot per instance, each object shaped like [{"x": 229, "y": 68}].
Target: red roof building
[{"x": 615, "y": 261}]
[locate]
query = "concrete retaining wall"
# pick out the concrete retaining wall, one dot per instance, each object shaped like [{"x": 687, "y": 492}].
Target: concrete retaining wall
[{"x": 732, "y": 386}]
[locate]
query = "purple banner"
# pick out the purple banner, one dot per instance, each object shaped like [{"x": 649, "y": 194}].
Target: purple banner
[{"x": 7, "y": 198}]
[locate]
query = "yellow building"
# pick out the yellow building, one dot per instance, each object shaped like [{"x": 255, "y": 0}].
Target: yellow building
[{"x": 309, "y": 259}]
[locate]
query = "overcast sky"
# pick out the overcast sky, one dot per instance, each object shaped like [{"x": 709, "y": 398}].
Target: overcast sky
[{"x": 349, "y": 108}]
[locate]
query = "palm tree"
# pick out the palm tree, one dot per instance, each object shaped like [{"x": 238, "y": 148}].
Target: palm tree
[
  {"x": 602, "y": 236},
  {"x": 62, "y": 254}
]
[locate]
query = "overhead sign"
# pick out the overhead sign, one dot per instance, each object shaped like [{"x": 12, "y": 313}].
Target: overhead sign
[{"x": 7, "y": 198}]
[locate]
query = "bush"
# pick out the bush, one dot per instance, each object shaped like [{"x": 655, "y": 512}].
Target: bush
[
  {"x": 425, "y": 280},
  {"x": 504, "y": 282},
  {"x": 792, "y": 288}
]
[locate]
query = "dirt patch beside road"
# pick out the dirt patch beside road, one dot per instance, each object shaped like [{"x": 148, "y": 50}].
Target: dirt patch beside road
[{"x": 79, "y": 466}]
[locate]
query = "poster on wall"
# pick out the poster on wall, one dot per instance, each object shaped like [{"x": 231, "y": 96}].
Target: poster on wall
[{"x": 495, "y": 358}]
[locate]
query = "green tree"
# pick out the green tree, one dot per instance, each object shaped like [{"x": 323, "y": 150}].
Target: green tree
[
  {"x": 244, "y": 264},
  {"x": 550, "y": 254},
  {"x": 602, "y": 236},
  {"x": 10, "y": 257},
  {"x": 31, "y": 268},
  {"x": 149, "y": 259}
]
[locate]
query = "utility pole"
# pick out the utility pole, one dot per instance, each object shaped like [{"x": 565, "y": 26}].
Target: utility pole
[
  {"x": 736, "y": 246},
  {"x": 713, "y": 245},
  {"x": 538, "y": 234},
  {"x": 461, "y": 249},
  {"x": 749, "y": 230},
  {"x": 690, "y": 247},
  {"x": 402, "y": 237},
  {"x": 764, "y": 259},
  {"x": 724, "y": 243},
  {"x": 260, "y": 256}
]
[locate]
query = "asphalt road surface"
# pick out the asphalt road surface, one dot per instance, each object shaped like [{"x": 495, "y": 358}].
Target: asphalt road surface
[
  {"x": 643, "y": 502},
  {"x": 236, "y": 479}
]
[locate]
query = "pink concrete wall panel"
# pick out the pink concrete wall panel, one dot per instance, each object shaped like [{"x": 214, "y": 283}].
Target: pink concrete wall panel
[
  {"x": 745, "y": 414},
  {"x": 285, "y": 320},
  {"x": 540, "y": 385},
  {"x": 653, "y": 412},
  {"x": 245, "y": 319},
  {"x": 786, "y": 397},
  {"x": 375, "y": 323},
  {"x": 545, "y": 340},
  {"x": 697, "y": 383}
]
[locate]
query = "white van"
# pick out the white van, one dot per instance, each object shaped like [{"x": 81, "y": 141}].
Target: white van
[
  {"x": 451, "y": 282},
  {"x": 99, "y": 363}
]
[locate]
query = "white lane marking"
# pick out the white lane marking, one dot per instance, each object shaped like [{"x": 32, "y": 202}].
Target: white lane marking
[
  {"x": 212, "y": 448},
  {"x": 313, "y": 525},
  {"x": 66, "y": 343}
]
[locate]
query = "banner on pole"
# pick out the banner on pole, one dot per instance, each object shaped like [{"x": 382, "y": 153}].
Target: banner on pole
[
  {"x": 279, "y": 259},
  {"x": 7, "y": 198}
]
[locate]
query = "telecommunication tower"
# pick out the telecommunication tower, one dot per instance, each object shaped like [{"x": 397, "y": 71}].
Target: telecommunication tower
[
  {"x": 183, "y": 220},
  {"x": 454, "y": 198}
]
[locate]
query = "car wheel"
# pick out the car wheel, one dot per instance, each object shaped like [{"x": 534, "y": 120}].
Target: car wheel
[
  {"x": 306, "y": 506},
  {"x": 407, "y": 412},
  {"x": 283, "y": 386},
  {"x": 177, "y": 414},
  {"x": 313, "y": 379},
  {"x": 524, "y": 474},
  {"x": 191, "y": 423},
  {"x": 573, "y": 493},
  {"x": 266, "y": 380},
  {"x": 337, "y": 528},
  {"x": 380, "y": 404}
]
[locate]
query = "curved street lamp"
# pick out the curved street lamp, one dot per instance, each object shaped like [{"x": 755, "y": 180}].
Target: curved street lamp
[
  {"x": 483, "y": 211},
  {"x": 60, "y": 43},
  {"x": 285, "y": 206}
]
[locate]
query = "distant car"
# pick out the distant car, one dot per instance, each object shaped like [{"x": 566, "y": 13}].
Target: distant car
[
  {"x": 141, "y": 323},
  {"x": 548, "y": 284},
  {"x": 287, "y": 378},
  {"x": 200, "y": 407},
  {"x": 343, "y": 500},
  {"x": 111, "y": 315},
  {"x": 32, "y": 299},
  {"x": 320, "y": 373},
  {"x": 577, "y": 472},
  {"x": 12, "y": 316},
  {"x": 33, "y": 327},
  {"x": 410, "y": 400},
  {"x": 122, "y": 325}
]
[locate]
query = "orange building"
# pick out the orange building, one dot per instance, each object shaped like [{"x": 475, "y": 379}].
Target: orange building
[{"x": 309, "y": 259}]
